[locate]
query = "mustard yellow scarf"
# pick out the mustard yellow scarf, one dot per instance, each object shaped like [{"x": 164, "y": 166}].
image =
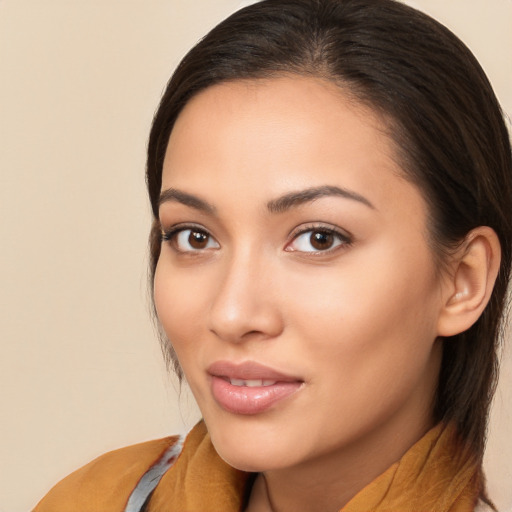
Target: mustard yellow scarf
[{"x": 435, "y": 475}]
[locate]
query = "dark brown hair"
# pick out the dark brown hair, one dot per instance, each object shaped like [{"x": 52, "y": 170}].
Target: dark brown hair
[{"x": 443, "y": 116}]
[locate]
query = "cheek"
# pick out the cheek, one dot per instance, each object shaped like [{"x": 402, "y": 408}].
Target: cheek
[
  {"x": 177, "y": 301},
  {"x": 372, "y": 317}
]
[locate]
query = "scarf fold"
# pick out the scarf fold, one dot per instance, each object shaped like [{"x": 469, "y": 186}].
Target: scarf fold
[{"x": 437, "y": 474}]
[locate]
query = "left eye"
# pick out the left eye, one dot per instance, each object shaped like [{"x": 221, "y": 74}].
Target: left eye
[{"x": 317, "y": 240}]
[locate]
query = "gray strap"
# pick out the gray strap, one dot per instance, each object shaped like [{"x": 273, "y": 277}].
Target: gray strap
[{"x": 150, "y": 479}]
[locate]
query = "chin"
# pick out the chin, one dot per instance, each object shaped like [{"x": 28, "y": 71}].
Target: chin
[
  {"x": 252, "y": 459},
  {"x": 251, "y": 446}
]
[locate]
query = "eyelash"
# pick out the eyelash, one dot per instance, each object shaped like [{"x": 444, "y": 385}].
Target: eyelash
[{"x": 342, "y": 238}]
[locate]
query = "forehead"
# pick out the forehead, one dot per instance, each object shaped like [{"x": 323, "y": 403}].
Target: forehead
[
  {"x": 305, "y": 106},
  {"x": 271, "y": 136}
]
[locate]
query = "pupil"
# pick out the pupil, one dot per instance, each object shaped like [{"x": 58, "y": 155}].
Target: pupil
[
  {"x": 197, "y": 240},
  {"x": 321, "y": 240}
]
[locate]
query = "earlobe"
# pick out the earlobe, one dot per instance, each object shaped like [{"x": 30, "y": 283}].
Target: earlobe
[{"x": 468, "y": 290}]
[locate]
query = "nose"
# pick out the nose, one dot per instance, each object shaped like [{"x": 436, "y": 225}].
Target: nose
[{"x": 246, "y": 304}]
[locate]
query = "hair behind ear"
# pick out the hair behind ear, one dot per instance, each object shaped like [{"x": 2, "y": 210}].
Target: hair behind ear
[{"x": 472, "y": 333}]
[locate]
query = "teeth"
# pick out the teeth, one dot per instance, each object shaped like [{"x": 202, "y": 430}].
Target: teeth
[{"x": 252, "y": 383}]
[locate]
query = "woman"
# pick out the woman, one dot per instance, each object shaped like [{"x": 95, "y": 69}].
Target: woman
[{"x": 331, "y": 183}]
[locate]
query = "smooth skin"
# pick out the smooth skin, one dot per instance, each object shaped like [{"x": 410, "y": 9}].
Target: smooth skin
[{"x": 336, "y": 286}]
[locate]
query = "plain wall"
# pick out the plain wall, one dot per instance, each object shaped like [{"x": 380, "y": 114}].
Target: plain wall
[{"x": 80, "y": 367}]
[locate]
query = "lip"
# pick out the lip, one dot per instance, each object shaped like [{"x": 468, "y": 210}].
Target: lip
[
  {"x": 250, "y": 400},
  {"x": 248, "y": 370}
]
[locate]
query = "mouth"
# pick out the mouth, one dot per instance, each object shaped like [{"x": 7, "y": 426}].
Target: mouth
[{"x": 250, "y": 388}]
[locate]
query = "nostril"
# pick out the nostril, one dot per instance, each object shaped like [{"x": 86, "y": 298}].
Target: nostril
[{"x": 251, "y": 333}]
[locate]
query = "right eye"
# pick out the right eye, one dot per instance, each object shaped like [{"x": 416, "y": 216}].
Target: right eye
[{"x": 190, "y": 239}]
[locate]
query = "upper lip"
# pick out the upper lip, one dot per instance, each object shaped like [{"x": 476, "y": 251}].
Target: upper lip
[{"x": 249, "y": 370}]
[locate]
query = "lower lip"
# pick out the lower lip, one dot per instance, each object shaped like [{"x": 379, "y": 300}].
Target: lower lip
[{"x": 250, "y": 400}]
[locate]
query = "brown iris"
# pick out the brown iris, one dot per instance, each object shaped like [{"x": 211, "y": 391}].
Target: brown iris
[
  {"x": 198, "y": 239},
  {"x": 321, "y": 240}
]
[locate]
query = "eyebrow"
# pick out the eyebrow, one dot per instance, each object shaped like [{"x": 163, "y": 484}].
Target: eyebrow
[
  {"x": 279, "y": 205},
  {"x": 172, "y": 194},
  {"x": 294, "y": 199}
]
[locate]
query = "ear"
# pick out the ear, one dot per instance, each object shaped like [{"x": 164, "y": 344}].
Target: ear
[{"x": 468, "y": 288}]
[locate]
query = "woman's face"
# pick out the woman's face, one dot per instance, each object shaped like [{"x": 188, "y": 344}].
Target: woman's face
[{"x": 295, "y": 280}]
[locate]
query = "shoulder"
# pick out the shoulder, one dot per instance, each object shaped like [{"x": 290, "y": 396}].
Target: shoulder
[{"x": 105, "y": 483}]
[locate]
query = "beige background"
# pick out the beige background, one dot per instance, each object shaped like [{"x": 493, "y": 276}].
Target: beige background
[{"x": 80, "y": 369}]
